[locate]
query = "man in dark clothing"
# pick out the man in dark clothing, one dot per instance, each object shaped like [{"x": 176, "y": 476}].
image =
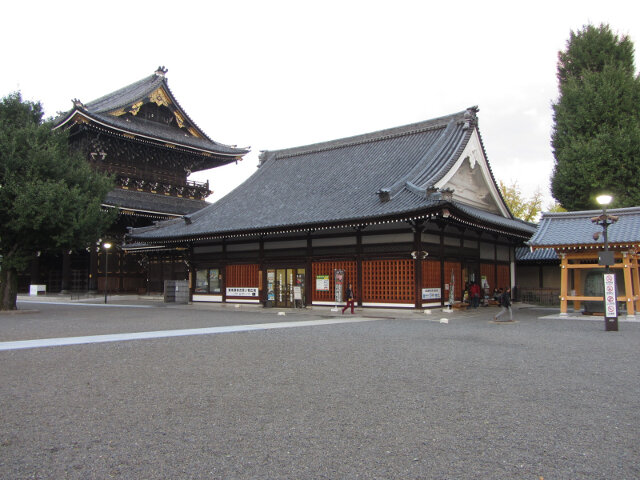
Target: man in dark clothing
[{"x": 505, "y": 304}]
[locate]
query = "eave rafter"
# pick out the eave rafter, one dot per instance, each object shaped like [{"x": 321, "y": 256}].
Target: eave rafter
[
  {"x": 437, "y": 215},
  {"x": 586, "y": 247},
  {"x": 81, "y": 118}
]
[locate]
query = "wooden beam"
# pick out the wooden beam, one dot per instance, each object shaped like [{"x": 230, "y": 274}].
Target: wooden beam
[{"x": 586, "y": 266}]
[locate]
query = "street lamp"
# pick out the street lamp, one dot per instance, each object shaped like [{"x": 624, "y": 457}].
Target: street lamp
[
  {"x": 106, "y": 246},
  {"x": 607, "y": 259}
]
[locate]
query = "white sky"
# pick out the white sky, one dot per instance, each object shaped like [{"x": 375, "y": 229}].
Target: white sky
[{"x": 278, "y": 74}]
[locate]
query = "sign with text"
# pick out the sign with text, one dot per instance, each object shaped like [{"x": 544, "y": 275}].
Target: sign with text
[
  {"x": 338, "y": 276},
  {"x": 297, "y": 293},
  {"x": 242, "y": 292},
  {"x": 322, "y": 283},
  {"x": 610, "y": 300},
  {"x": 431, "y": 293}
]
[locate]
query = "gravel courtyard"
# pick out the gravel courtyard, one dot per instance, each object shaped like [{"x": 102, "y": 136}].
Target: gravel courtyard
[{"x": 398, "y": 396}]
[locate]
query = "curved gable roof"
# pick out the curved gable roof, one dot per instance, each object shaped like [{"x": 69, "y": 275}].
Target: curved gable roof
[
  {"x": 575, "y": 229},
  {"x": 118, "y": 110},
  {"x": 351, "y": 180}
]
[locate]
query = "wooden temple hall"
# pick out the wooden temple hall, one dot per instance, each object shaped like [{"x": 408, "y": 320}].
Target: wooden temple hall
[
  {"x": 141, "y": 135},
  {"x": 410, "y": 215}
]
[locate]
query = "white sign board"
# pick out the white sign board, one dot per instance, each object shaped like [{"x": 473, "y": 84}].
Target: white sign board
[
  {"x": 431, "y": 293},
  {"x": 610, "y": 301},
  {"x": 242, "y": 292},
  {"x": 322, "y": 283}
]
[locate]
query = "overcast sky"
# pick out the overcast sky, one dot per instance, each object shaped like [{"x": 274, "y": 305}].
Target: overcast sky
[{"x": 278, "y": 74}]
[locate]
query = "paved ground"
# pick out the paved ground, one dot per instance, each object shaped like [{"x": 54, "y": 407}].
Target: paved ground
[{"x": 399, "y": 395}]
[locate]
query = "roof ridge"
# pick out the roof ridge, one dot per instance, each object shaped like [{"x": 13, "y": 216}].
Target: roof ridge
[
  {"x": 421, "y": 179},
  {"x": 590, "y": 213},
  {"x": 376, "y": 136},
  {"x": 151, "y": 80}
]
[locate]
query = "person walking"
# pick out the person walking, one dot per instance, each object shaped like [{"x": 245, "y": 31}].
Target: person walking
[
  {"x": 505, "y": 305},
  {"x": 350, "y": 301}
]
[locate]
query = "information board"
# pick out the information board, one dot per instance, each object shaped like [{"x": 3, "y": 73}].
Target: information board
[{"x": 322, "y": 283}]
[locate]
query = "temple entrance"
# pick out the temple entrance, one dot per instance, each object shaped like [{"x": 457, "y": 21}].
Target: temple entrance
[{"x": 285, "y": 287}]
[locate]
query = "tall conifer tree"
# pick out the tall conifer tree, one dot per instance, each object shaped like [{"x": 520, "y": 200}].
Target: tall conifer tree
[
  {"x": 596, "y": 133},
  {"x": 50, "y": 197}
]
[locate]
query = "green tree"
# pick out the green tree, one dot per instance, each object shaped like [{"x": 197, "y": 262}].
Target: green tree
[
  {"x": 596, "y": 133},
  {"x": 526, "y": 209},
  {"x": 49, "y": 196},
  {"x": 555, "y": 208}
]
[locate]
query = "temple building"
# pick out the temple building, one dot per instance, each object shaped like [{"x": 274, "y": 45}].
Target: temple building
[
  {"x": 141, "y": 135},
  {"x": 575, "y": 239},
  {"x": 407, "y": 215}
]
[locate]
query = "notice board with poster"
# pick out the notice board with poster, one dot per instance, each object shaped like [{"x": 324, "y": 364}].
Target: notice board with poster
[
  {"x": 322, "y": 283},
  {"x": 338, "y": 277}
]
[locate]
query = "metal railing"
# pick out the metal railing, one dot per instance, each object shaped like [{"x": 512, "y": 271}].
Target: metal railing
[{"x": 539, "y": 296}]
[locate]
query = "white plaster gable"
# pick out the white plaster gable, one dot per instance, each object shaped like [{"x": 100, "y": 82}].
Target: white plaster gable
[{"x": 471, "y": 180}]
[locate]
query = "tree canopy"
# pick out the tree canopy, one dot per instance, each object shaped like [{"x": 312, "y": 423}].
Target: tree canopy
[
  {"x": 50, "y": 197},
  {"x": 526, "y": 209},
  {"x": 596, "y": 133}
]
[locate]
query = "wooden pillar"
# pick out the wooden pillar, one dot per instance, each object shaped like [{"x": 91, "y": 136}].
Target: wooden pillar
[
  {"x": 417, "y": 263},
  {"x": 577, "y": 283},
  {"x": 223, "y": 271},
  {"x": 636, "y": 281},
  {"x": 628, "y": 283},
  {"x": 564, "y": 282},
  {"x": 442, "y": 279},
  {"x": 359, "y": 280},
  {"x": 310, "y": 281}
]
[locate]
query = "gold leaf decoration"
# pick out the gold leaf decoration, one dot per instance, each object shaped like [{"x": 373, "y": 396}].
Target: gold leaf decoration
[
  {"x": 193, "y": 132},
  {"x": 179, "y": 119},
  {"x": 135, "y": 108},
  {"x": 159, "y": 97}
]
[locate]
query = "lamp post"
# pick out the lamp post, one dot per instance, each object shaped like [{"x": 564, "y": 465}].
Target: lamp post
[
  {"x": 607, "y": 259},
  {"x": 106, "y": 246}
]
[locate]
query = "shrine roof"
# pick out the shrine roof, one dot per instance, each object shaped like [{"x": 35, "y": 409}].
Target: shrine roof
[
  {"x": 542, "y": 255},
  {"x": 566, "y": 230},
  {"x": 356, "y": 180},
  {"x": 118, "y": 111},
  {"x": 152, "y": 203}
]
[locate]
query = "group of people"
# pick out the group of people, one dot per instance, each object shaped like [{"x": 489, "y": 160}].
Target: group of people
[{"x": 502, "y": 297}]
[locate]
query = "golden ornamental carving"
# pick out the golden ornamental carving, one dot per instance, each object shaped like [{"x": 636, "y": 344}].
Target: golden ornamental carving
[
  {"x": 179, "y": 119},
  {"x": 159, "y": 97},
  {"x": 80, "y": 119},
  {"x": 193, "y": 132},
  {"x": 135, "y": 108},
  {"x": 118, "y": 113}
]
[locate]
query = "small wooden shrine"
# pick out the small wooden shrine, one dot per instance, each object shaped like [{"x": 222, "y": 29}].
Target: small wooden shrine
[{"x": 576, "y": 239}]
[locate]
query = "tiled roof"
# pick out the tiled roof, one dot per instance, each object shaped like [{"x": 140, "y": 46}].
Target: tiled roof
[
  {"x": 100, "y": 111},
  {"x": 343, "y": 181},
  {"x": 576, "y": 229},
  {"x": 525, "y": 255},
  {"x": 152, "y": 203}
]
